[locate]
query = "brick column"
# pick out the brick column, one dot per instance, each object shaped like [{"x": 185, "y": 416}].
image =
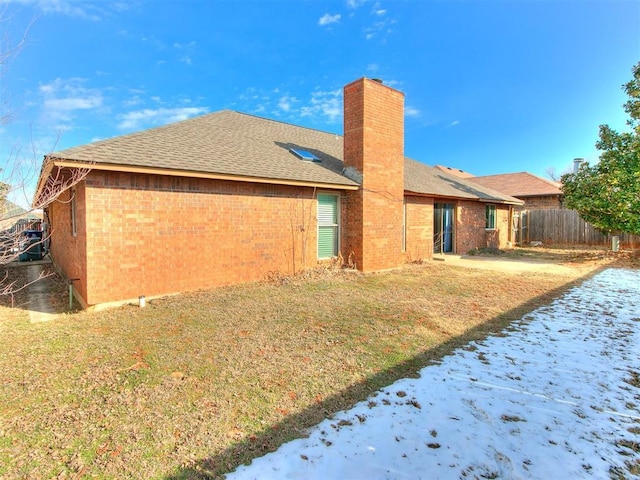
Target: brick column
[{"x": 374, "y": 156}]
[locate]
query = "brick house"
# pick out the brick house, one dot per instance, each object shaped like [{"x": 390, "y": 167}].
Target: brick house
[
  {"x": 228, "y": 197},
  {"x": 537, "y": 193}
]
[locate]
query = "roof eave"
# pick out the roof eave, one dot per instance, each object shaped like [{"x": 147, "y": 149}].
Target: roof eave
[
  {"x": 47, "y": 167},
  {"x": 470, "y": 199},
  {"x": 112, "y": 167},
  {"x": 559, "y": 194}
]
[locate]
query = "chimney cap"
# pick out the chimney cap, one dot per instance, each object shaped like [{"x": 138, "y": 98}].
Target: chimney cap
[{"x": 377, "y": 80}]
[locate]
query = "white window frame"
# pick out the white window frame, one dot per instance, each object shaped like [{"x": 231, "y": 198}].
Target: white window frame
[
  {"x": 490, "y": 207},
  {"x": 335, "y": 225}
]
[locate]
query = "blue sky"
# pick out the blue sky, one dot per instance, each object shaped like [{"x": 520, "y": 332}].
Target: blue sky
[{"x": 490, "y": 86}]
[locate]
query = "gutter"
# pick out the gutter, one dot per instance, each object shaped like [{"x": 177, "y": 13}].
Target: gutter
[{"x": 63, "y": 163}]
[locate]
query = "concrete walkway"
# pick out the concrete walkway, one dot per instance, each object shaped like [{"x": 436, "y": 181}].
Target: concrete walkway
[{"x": 40, "y": 308}]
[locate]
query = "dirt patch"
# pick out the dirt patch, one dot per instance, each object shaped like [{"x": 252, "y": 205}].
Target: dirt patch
[{"x": 550, "y": 260}]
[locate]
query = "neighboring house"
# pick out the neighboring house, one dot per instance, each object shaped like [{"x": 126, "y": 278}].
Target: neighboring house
[
  {"x": 534, "y": 191},
  {"x": 10, "y": 213},
  {"x": 229, "y": 197},
  {"x": 15, "y": 218}
]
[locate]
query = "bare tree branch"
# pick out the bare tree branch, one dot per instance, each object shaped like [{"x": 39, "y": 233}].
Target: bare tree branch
[
  {"x": 552, "y": 173},
  {"x": 9, "y": 50},
  {"x": 23, "y": 168}
]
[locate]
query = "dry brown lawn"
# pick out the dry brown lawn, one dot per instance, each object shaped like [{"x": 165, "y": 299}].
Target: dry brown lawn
[{"x": 193, "y": 385}]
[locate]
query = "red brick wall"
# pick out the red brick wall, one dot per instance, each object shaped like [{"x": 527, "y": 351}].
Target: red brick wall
[
  {"x": 67, "y": 250},
  {"x": 153, "y": 235},
  {"x": 374, "y": 147},
  {"x": 470, "y": 227},
  {"x": 419, "y": 229}
]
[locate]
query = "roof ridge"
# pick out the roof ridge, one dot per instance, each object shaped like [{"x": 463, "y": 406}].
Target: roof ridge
[
  {"x": 554, "y": 183},
  {"x": 140, "y": 132},
  {"x": 173, "y": 125},
  {"x": 282, "y": 122}
]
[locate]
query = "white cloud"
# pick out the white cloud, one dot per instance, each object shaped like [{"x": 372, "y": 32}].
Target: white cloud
[
  {"x": 121, "y": 6},
  {"x": 376, "y": 29},
  {"x": 61, "y": 98},
  {"x": 411, "y": 112},
  {"x": 73, "y": 103},
  {"x": 154, "y": 42},
  {"x": 380, "y": 12},
  {"x": 353, "y": 4},
  {"x": 179, "y": 46},
  {"x": 454, "y": 123},
  {"x": 285, "y": 102},
  {"x": 86, "y": 10},
  {"x": 322, "y": 105},
  {"x": 373, "y": 67},
  {"x": 327, "y": 104},
  {"x": 133, "y": 101},
  {"x": 187, "y": 49},
  {"x": 260, "y": 108},
  {"x": 160, "y": 116},
  {"x": 327, "y": 19}
]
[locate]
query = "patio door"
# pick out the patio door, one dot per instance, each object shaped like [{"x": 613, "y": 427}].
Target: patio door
[{"x": 443, "y": 227}]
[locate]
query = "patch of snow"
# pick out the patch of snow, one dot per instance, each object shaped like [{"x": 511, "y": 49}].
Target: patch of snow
[{"x": 550, "y": 399}]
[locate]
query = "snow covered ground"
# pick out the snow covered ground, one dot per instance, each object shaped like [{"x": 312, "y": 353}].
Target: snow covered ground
[{"x": 557, "y": 397}]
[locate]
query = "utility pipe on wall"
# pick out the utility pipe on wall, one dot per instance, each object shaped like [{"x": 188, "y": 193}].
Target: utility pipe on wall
[{"x": 71, "y": 280}]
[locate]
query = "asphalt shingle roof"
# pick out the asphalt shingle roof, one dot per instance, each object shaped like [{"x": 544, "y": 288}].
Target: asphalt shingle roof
[
  {"x": 420, "y": 178},
  {"x": 454, "y": 171},
  {"x": 233, "y": 143},
  {"x": 224, "y": 142},
  {"x": 521, "y": 184}
]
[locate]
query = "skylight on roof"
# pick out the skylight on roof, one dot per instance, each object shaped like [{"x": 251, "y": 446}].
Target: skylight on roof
[{"x": 304, "y": 155}]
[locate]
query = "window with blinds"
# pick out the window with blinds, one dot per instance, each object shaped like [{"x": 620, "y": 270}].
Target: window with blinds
[
  {"x": 490, "y": 217},
  {"x": 328, "y": 232}
]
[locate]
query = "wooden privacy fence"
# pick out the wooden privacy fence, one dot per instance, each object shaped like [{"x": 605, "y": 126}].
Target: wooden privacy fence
[{"x": 560, "y": 226}]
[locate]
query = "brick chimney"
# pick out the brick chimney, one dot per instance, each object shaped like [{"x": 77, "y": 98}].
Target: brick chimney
[{"x": 374, "y": 156}]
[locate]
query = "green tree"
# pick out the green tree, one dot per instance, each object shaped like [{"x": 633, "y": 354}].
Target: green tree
[{"x": 607, "y": 194}]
